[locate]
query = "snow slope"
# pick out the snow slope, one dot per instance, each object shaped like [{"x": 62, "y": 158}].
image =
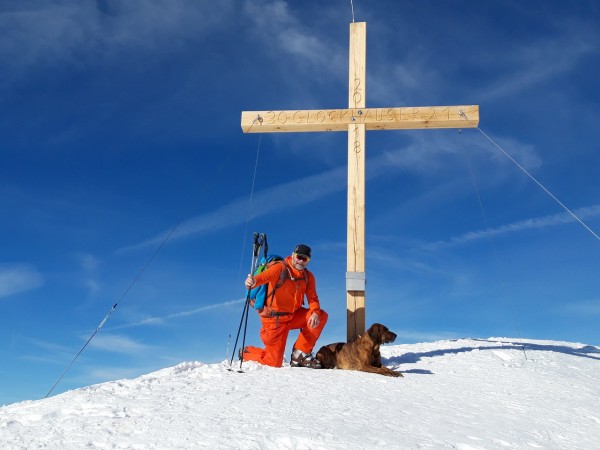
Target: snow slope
[{"x": 466, "y": 394}]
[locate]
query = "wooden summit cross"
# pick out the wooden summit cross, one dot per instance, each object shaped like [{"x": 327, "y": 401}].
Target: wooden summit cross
[{"x": 356, "y": 120}]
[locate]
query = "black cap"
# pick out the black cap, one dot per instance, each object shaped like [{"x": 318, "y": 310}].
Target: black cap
[{"x": 302, "y": 249}]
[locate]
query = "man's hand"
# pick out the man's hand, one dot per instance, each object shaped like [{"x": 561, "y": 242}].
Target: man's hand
[
  {"x": 250, "y": 282},
  {"x": 265, "y": 312},
  {"x": 313, "y": 320}
]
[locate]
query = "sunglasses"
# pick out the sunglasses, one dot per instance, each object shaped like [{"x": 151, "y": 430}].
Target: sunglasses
[{"x": 302, "y": 258}]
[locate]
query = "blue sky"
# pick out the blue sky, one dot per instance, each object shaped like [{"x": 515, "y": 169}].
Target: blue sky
[{"x": 120, "y": 120}]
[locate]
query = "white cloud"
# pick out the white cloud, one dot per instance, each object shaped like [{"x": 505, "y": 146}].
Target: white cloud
[
  {"x": 305, "y": 190},
  {"x": 582, "y": 308},
  {"x": 118, "y": 344},
  {"x": 16, "y": 278},
  {"x": 89, "y": 264},
  {"x": 535, "y": 63},
  {"x": 275, "y": 25},
  {"x": 88, "y": 261},
  {"x": 515, "y": 227},
  {"x": 40, "y": 33},
  {"x": 269, "y": 14},
  {"x": 195, "y": 311},
  {"x": 153, "y": 320},
  {"x": 424, "y": 156},
  {"x": 51, "y": 352},
  {"x": 431, "y": 152}
]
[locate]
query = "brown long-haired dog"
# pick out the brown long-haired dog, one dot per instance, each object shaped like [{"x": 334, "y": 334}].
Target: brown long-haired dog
[{"x": 362, "y": 354}]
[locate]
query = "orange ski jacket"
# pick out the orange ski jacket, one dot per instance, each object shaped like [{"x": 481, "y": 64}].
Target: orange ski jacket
[{"x": 289, "y": 296}]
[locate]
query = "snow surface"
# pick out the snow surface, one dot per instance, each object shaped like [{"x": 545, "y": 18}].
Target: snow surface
[{"x": 464, "y": 394}]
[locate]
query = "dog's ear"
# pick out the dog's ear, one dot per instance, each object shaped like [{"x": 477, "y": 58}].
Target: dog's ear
[
  {"x": 376, "y": 333},
  {"x": 337, "y": 347}
]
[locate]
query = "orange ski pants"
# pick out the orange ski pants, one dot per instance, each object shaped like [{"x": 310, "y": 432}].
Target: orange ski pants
[{"x": 274, "y": 334}]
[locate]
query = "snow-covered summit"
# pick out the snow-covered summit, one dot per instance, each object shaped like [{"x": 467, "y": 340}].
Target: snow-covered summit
[{"x": 463, "y": 394}]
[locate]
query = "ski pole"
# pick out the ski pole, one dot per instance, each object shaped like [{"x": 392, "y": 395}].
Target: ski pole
[
  {"x": 244, "y": 314},
  {"x": 261, "y": 241},
  {"x": 256, "y": 250}
]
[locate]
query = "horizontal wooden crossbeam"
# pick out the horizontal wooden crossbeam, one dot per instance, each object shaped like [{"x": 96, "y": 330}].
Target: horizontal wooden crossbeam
[{"x": 372, "y": 118}]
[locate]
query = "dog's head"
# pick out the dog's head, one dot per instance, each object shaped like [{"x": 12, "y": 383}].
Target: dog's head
[{"x": 380, "y": 334}]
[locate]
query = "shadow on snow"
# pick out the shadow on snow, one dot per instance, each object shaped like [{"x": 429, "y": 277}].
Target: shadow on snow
[{"x": 587, "y": 351}]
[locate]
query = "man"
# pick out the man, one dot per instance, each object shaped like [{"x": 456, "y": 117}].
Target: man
[{"x": 284, "y": 311}]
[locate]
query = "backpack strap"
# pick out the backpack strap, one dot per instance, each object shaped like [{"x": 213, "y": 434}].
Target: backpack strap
[
  {"x": 285, "y": 274},
  {"x": 306, "y": 278}
]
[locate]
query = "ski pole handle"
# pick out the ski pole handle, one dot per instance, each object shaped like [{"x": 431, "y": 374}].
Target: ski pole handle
[{"x": 250, "y": 281}]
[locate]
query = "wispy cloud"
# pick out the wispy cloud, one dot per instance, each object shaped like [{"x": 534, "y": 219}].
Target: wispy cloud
[
  {"x": 535, "y": 63},
  {"x": 51, "y": 352},
  {"x": 424, "y": 155},
  {"x": 156, "y": 320},
  {"x": 582, "y": 308},
  {"x": 89, "y": 265},
  {"x": 118, "y": 344},
  {"x": 430, "y": 153},
  {"x": 15, "y": 278},
  {"x": 389, "y": 258},
  {"x": 276, "y": 25},
  {"x": 303, "y": 191},
  {"x": 40, "y": 34},
  {"x": 516, "y": 227}
]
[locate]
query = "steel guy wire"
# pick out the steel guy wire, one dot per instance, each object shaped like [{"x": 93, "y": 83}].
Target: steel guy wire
[
  {"x": 209, "y": 181},
  {"x": 536, "y": 181}
]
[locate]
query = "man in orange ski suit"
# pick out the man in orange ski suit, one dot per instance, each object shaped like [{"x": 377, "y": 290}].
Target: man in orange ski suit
[{"x": 284, "y": 311}]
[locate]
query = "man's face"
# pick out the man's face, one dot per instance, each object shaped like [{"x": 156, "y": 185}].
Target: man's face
[{"x": 299, "y": 261}]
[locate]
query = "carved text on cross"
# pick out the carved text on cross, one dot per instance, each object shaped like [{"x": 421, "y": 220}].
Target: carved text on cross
[{"x": 373, "y": 118}]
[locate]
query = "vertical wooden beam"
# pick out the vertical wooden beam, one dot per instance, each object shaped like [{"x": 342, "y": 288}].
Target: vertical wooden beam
[{"x": 355, "y": 275}]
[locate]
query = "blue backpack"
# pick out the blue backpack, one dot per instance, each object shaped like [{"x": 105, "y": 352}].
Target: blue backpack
[{"x": 259, "y": 294}]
